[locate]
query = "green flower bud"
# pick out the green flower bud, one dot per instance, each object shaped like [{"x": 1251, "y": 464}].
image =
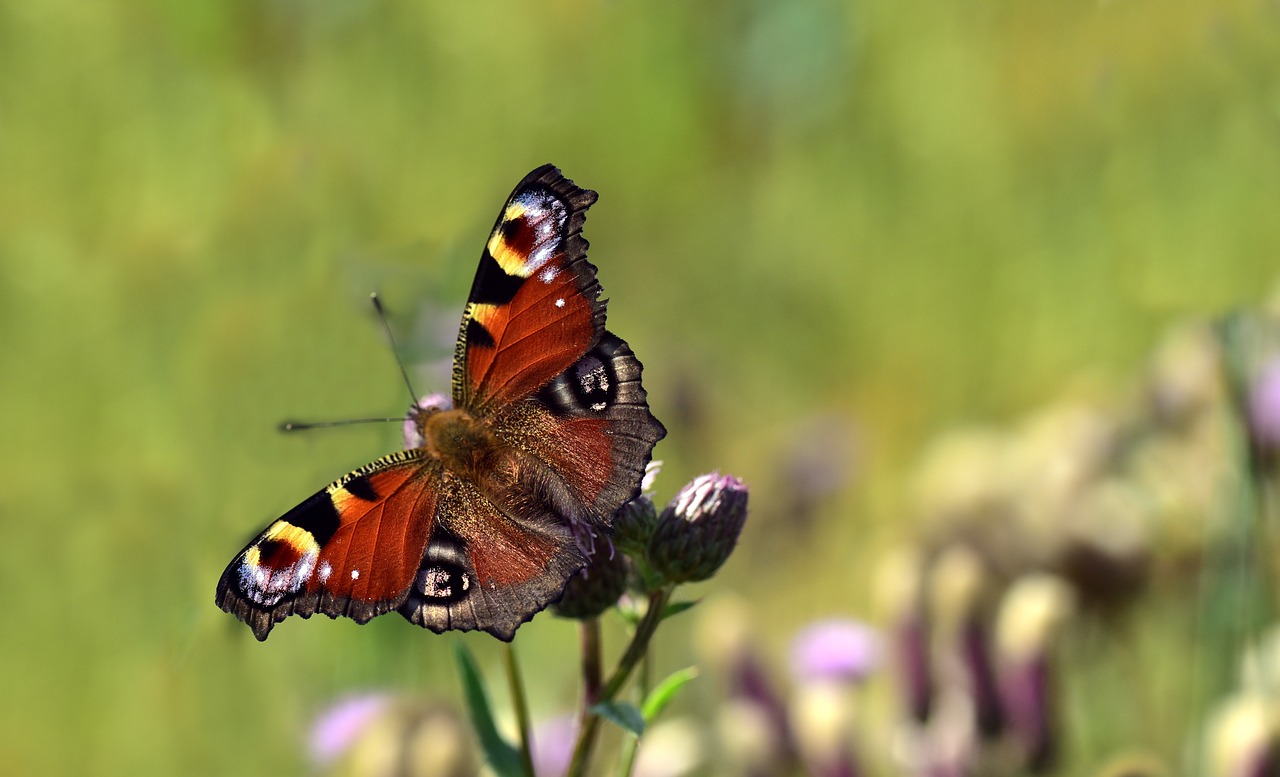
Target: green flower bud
[
  {"x": 596, "y": 588},
  {"x": 633, "y": 525},
  {"x": 699, "y": 529}
]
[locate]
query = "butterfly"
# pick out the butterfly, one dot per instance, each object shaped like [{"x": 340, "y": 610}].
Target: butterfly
[{"x": 482, "y": 521}]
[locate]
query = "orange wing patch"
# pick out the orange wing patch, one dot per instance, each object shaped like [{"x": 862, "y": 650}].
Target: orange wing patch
[
  {"x": 545, "y": 326},
  {"x": 385, "y": 526}
]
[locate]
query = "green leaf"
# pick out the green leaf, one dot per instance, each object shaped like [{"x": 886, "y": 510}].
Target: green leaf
[
  {"x": 675, "y": 608},
  {"x": 622, "y": 714},
  {"x": 665, "y": 691},
  {"x": 501, "y": 755}
]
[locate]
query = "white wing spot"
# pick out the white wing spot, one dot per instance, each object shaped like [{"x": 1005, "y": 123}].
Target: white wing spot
[
  {"x": 560, "y": 303},
  {"x": 355, "y": 574},
  {"x": 325, "y": 571}
]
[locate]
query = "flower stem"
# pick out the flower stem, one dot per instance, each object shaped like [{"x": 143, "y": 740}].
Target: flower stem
[
  {"x": 592, "y": 673},
  {"x": 634, "y": 653},
  {"x": 639, "y": 643},
  {"x": 632, "y": 748},
  {"x": 521, "y": 707},
  {"x": 628, "y": 763}
]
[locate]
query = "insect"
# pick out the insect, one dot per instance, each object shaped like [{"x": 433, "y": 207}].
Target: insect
[{"x": 480, "y": 524}]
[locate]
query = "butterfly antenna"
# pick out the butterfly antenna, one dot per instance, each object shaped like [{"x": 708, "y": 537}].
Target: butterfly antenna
[
  {"x": 386, "y": 327},
  {"x": 302, "y": 426}
]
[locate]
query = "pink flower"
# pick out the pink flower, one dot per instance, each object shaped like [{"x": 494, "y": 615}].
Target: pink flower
[
  {"x": 340, "y": 726},
  {"x": 552, "y": 746},
  {"x": 1264, "y": 405},
  {"x": 837, "y": 649}
]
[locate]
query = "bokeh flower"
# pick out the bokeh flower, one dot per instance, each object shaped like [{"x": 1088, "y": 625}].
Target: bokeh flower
[
  {"x": 671, "y": 748},
  {"x": 338, "y": 727},
  {"x": 748, "y": 739},
  {"x": 729, "y": 646},
  {"x": 552, "y": 746},
  {"x": 1264, "y": 406},
  {"x": 822, "y": 718},
  {"x": 835, "y": 650},
  {"x": 1244, "y": 737},
  {"x": 899, "y": 592}
]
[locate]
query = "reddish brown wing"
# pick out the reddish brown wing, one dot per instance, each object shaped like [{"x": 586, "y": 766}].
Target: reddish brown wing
[
  {"x": 352, "y": 549},
  {"x": 485, "y": 569},
  {"x": 533, "y": 309},
  {"x": 592, "y": 427}
]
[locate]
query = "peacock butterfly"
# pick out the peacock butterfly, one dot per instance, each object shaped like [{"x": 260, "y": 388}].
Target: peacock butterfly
[{"x": 479, "y": 525}]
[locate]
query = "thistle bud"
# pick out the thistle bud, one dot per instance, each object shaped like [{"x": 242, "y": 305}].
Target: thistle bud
[
  {"x": 596, "y": 588},
  {"x": 699, "y": 529},
  {"x": 633, "y": 525},
  {"x": 1032, "y": 614}
]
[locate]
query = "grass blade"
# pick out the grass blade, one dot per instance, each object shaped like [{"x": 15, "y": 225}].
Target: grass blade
[
  {"x": 665, "y": 691},
  {"x": 502, "y": 757}
]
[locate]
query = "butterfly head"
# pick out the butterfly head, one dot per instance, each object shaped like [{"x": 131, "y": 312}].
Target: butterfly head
[
  {"x": 455, "y": 439},
  {"x": 415, "y": 420}
]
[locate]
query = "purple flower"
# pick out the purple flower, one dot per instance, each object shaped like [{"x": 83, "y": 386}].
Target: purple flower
[
  {"x": 1264, "y": 405},
  {"x": 1027, "y": 692},
  {"x": 839, "y": 650},
  {"x": 552, "y": 746},
  {"x": 338, "y": 727},
  {"x": 699, "y": 528},
  {"x": 750, "y": 685},
  {"x": 911, "y": 642},
  {"x": 978, "y": 660}
]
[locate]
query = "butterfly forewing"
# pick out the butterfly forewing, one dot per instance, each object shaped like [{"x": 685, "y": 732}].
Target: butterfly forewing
[
  {"x": 353, "y": 548},
  {"x": 533, "y": 308}
]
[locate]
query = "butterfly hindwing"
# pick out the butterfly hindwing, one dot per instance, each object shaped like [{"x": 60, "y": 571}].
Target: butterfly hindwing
[
  {"x": 485, "y": 568},
  {"x": 592, "y": 428},
  {"x": 351, "y": 549}
]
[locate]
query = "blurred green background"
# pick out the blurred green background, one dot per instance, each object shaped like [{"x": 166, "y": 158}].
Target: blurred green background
[{"x": 878, "y": 217}]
